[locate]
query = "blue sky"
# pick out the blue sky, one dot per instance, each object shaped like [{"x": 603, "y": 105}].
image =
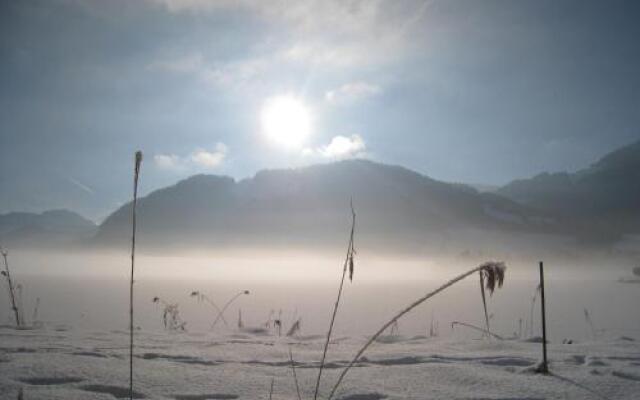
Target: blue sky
[{"x": 465, "y": 91}]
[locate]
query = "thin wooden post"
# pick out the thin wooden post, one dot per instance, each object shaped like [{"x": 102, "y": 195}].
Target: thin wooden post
[{"x": 544, "y": 368}]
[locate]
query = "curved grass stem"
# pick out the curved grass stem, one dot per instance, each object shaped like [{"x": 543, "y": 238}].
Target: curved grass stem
[{"x": 495, "y": 274}]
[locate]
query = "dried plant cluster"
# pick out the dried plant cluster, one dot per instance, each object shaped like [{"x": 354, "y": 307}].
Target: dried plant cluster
[
  {"x": 170, "y": 315},
  {"x": 12, "y": 289}
]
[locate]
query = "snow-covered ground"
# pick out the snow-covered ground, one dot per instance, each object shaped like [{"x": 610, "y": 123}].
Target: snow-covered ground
[
  {"x": 63, "y": 363},
  {"x": 80, "y": 351}
]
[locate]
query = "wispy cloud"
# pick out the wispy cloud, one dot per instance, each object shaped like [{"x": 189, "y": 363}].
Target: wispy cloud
[
  {"x": 197, "y": 159},
  {"x": 321, "y": 36},
  {"x": 352, "y": 92},
  {"x": 80, "y": 185}
]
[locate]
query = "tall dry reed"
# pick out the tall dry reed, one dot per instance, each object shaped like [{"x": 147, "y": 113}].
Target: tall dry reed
[
  {"x": 136, "y": 175},
  {"x": 348, "y": 263}
]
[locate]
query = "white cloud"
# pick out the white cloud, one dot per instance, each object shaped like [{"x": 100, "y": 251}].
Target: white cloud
[
  {"x": 198, "y": 159},
  {"x": 166, "y": 161},
  {"x": 209, "y": 159},
  {"x": 340, "y": 147},
  {"x": 351, "y": 92},
  {"x": 236, "y": 74}
]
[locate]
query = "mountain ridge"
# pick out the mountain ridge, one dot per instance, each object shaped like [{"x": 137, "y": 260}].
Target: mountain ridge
[
  {"x": 49, "y": 228},
  {"x": 309, "y": 206},
  {"x": 606, "y": 192}
]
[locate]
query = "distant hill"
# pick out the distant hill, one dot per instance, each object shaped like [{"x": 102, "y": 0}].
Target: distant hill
[
  {"x": 309, "y": 207},
  {"x": 48, "y": 228},
  {"x": 398, "y": 210},
  {"x": 602, "y": 201}
]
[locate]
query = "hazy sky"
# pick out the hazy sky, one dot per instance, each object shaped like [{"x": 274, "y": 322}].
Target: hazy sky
[{"x": 468, "y": 91}]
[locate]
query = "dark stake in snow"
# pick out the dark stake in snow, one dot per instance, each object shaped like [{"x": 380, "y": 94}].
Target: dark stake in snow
[{"x": 544, "y": 367}]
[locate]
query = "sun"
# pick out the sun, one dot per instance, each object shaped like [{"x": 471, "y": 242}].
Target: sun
[{"x": 286, "y": 121}]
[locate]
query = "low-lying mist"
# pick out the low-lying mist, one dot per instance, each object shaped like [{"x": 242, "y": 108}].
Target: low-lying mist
[{"x": 89, "y": 290}]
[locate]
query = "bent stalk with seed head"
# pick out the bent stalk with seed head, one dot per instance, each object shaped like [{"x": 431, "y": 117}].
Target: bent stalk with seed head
[
  {"x": 494, "y": 278},
  {"x": 202, "y": 297},
  {"x": 221, "y": 313}
]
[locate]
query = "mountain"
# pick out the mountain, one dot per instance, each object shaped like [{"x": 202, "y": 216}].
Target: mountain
[
  {"x": 41, "y": 189},
  {"x": 309, "y": 207},
  {"x": 601, "y": 202},
  {"x": 48, "y": 228}
]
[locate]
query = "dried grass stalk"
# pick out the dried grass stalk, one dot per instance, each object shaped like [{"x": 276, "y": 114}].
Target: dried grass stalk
[
  {"x": 202, "y": 297},
  {"x": 295, "y": 376},
  {"x": 221, "y": 313},
  {"x": 533, "y": 306},
  {"x": 477, "y": 328},
  {"x": 295, "y": 328},
  {"x": 348, "y": 262},
  {"x": 136, "y": 175},
  {"x": 271, "y": 389},
  {"x": 12, "y": 294},
  {"x": 495, "y": 277}
]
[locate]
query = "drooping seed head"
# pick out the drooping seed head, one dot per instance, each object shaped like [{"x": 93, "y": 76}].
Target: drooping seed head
[
  {"x": 138, "y": 162},
  {"x": 493, "y": 275}
]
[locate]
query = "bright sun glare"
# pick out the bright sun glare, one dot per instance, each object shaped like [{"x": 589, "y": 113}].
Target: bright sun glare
[{"x": 286, "y": 121}]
